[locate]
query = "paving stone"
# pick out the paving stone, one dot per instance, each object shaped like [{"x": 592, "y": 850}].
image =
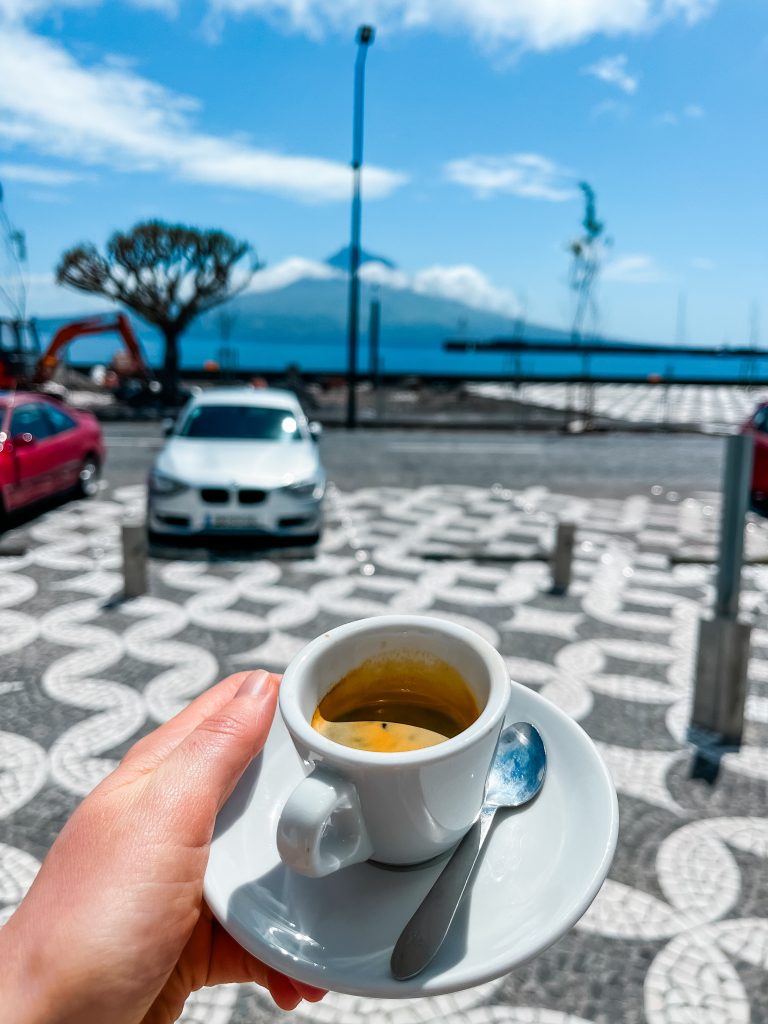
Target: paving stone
[{"x": 677, "y": 933}]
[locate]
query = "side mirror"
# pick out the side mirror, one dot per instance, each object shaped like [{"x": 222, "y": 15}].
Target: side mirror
[
  {"x": 24, "y": 440},
  {"x": 168, "y": 425},
  {"x": 315, "y": 430}
]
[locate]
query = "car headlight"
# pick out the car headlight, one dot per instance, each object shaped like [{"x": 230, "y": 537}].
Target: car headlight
[
  {"x": 306, "y": 489},
  {"x": 166, "y": 486}
]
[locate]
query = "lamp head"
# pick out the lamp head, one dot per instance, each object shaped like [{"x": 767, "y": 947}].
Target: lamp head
[{"x": 365, "y": 35}]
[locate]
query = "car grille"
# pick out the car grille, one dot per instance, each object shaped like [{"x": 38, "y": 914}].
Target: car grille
[
  {"x": 252, "y": 497},
  {"x": 215, "y": 495}
]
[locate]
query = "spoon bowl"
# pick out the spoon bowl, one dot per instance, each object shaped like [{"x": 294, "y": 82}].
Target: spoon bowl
[{"x": 518, "y": 769}]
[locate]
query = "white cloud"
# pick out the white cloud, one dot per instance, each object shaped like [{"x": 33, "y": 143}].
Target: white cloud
[
  {"x": 691, "y": 10},
  {"x": 634, "y": 268},
  {"x": 528, "y": 175},
  {"x": 692, "y": 111},
  {"x": 703, "y": 263},
  {"x": 534, "y": 24},
  {"x": 35, "y": 175},
  {"x": 19, "y": 10},
  {"x": 461, "y": 283},
  {"x": 289, "y": 271},
  {"x": 22, "y": 10},
  {"x": 613, "y": 70},
  {"x": 110, "y": 115}
]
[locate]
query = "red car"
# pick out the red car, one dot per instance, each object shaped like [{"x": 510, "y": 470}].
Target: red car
[
  {"x": 46, "y": 448},
  {"x": 757, "y": 426}
]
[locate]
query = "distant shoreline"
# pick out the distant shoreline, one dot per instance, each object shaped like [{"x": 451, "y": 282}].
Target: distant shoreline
[{"x": 405, "y": 377}]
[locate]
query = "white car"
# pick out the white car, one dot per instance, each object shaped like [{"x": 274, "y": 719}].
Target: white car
[{"x": 239, "y": 461}]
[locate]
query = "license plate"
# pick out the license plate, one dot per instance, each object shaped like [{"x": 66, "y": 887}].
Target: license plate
[{"x": 233, "y": 523}]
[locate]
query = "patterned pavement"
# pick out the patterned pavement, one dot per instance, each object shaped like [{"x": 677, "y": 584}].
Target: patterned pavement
[
  {"x": 712, "y": 408},
  {"x": 679, "y": 932}
]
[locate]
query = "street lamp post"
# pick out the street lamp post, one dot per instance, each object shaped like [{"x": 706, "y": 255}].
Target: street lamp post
[{"x": 365, "y": 35}]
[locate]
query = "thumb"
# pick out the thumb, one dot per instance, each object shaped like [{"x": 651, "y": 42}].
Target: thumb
[{"x": 205, "y": 767}]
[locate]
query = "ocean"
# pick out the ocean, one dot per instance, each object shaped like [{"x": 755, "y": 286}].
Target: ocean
[{"x": 430, "y": 359}]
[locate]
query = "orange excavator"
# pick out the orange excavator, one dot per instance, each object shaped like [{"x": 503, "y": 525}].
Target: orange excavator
[{"x": 22, "y": 365}]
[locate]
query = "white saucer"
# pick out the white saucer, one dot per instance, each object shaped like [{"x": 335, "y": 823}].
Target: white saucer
[{"x": 541, "y": 869}]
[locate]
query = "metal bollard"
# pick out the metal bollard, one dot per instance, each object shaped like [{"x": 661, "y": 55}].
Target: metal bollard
[
  {"x": 381, "y": 392},
  {"x": 722, "y": 661},
  {"x": 562, "y": 557},
  {"x": 736, "y": 481},
  {"x": 720, "y": 693},
  {"x": 134, "y": 557}
]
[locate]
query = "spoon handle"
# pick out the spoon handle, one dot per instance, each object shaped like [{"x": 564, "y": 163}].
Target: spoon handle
[{"x": 424, "y": 934}]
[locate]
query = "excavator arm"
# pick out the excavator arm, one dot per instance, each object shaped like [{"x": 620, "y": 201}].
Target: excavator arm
[{"x": 134, "y": 366}]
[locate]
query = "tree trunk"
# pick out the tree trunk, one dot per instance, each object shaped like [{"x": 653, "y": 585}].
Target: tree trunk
[{"x": 170, "y": 374}]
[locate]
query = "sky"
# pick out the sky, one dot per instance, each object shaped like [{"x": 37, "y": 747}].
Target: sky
[{"x": 481, "y": 118}]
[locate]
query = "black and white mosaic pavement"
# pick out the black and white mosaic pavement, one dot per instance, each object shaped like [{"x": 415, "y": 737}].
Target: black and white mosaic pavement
[
  {"x": 679, "y": 932},
  {"x": 703, "y": 406}
]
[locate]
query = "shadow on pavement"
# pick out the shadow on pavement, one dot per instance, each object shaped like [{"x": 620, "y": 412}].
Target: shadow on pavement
[
  {"x": 13, "y": 521},
  {"x": 226, "y": 549}
]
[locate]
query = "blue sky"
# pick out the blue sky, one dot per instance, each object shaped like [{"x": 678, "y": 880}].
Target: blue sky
[{"x": 481, "y": 117}]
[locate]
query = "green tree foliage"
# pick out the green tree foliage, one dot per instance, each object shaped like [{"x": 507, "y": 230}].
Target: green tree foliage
[{"x": 166, "y": 273}]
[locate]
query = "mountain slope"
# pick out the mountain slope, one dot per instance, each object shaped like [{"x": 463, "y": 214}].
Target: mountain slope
[{"x": 305, "y": 321}]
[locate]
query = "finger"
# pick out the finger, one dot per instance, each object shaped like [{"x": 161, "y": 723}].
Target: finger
[
  {"x": 150, "y": 750},
  {"x": 282, "y": 990},
  {"x": 195, "y": 779},
  {"x": 309, "y": 992},
  {"x": 230, "y": 963}
]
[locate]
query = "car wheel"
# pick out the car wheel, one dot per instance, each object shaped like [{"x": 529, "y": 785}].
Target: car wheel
[{"x": 90, "y": 476}]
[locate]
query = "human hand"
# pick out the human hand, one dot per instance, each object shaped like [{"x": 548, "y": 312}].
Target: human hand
[{"x": 114, "y": 928}]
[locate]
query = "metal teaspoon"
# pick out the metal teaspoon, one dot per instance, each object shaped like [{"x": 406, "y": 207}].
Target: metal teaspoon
[{"x": 515, "y": 777}]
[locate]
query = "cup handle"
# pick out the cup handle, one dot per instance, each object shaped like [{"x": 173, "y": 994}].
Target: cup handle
[{"x": 321, "y": 828}]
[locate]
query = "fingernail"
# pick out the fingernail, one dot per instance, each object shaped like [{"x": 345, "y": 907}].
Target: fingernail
[{"x": 255, "y": 684}]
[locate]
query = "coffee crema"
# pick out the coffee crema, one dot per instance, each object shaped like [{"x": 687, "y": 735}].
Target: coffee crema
[{"x": 396, "y": 703}]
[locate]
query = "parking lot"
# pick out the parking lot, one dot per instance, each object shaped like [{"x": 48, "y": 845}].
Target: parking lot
[
  {"x": 608, "y": 465},
  {"x": 680, "y": 930}
]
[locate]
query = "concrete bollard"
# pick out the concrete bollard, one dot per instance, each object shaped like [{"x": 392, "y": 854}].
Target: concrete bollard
[
  {"x": 721, "y": 679},
  {"x": 134, "y": 537},
  {"x": 11, "y": 548},
  {"x": 562, "y": 557},
  {"x": 722, "y": 661}
]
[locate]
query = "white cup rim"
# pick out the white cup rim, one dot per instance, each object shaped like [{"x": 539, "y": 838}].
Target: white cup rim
[{"x": 330, "y": 751}]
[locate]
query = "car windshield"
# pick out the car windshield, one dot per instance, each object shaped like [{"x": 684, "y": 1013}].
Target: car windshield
[{"x": 240, "y": 423}]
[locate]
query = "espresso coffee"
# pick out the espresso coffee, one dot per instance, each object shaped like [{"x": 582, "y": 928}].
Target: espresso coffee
[{"x": 396, "y": 703}]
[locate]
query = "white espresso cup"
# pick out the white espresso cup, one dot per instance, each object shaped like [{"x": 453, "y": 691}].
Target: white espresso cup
[{"x": 395, "y": 808}]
